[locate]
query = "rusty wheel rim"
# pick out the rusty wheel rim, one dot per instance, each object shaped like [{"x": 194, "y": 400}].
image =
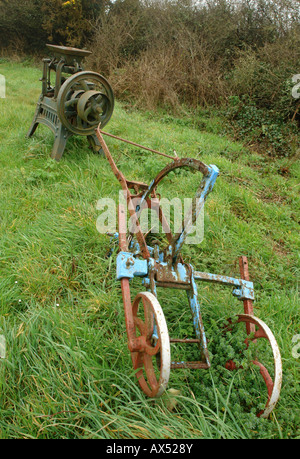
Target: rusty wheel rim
[
  {"x": 153, "y": 361},
  {"x": 273, "y": 384}
]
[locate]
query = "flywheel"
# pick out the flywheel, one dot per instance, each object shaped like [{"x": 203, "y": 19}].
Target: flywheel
[{"x": 84, "y": 100}]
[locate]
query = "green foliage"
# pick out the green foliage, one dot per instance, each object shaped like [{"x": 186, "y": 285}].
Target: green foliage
[
  {"x": 68, "y": 22},
  {"x": 21, "y": 26},
  {"x": 29, "y": 25},
  {"x": 261, "y": 128},
  {"x": 171, "y": 57}
]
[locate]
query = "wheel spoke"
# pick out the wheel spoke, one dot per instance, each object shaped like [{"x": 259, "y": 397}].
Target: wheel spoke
[
  {"x": 101, "y": 99},
  {"x": 260, "y": 333},
  {"x": 79, "y": 122},
  {"x": 152, "y": 379},
  {"x": 150, "y": 350},
  {"x": 267, "y": 378},
  {"x": 71, "y": 102},
  {"x": 84, "y": 85},
  {"x": 149, "y": 320},
  {"x": 87, "y": 112},
  {"x": 140, "y": 325}
]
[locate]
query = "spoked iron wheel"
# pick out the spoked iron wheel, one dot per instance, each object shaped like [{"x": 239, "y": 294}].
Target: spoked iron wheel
[
  {"x": 271, "y": 377},
  {"x": 85, "y": 100},
  {"x": 153, "y": 361}
]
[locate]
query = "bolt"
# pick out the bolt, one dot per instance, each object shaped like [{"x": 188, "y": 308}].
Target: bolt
[{"x": 130, "y": 262}]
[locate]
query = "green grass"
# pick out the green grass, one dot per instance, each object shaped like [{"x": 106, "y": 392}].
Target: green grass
[{"x": 67, "y": 372}]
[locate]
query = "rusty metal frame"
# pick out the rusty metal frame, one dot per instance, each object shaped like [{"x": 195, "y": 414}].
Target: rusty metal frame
[{"x": 164, "y": 268}]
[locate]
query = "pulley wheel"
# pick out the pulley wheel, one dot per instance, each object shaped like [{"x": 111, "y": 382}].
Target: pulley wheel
[{"x": 85, "y": 100}]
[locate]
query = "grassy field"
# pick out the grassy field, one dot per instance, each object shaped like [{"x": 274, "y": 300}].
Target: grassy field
[{"x": 67, "y": 371}]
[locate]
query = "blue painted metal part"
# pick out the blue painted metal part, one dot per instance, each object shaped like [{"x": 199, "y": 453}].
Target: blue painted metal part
[
  {"x": 244, "y": 289},
  {"x": 176, "y": 273},
  {"x": 205, "y": 188},
  {"x": 197, "y": 319},
  {"x": 135, "y": 249},
  {"x": 128, "y": 266},
  {"x": 185, "y": 275}
]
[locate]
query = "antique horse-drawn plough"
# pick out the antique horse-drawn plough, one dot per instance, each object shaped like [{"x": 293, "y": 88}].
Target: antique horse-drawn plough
[{"x": 163, "y": 267}]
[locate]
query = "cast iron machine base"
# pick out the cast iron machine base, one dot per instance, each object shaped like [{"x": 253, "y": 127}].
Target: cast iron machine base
[{"x": 74, "y": 104}]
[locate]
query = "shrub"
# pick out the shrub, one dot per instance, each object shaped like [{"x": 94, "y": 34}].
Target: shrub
[{"x": 263, "y": 129}]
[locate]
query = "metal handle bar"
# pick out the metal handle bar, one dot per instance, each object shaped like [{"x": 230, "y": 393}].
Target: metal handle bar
[{"x": 137, "y": 145}]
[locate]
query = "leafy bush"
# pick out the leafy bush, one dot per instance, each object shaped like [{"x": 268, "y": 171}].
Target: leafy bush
[
  {"x": 265, "y": 129},
  {"x": 27, "y": 26}
]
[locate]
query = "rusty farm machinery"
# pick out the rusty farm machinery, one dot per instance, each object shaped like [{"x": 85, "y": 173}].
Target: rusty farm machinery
[{"x": 75, "y": 102}]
